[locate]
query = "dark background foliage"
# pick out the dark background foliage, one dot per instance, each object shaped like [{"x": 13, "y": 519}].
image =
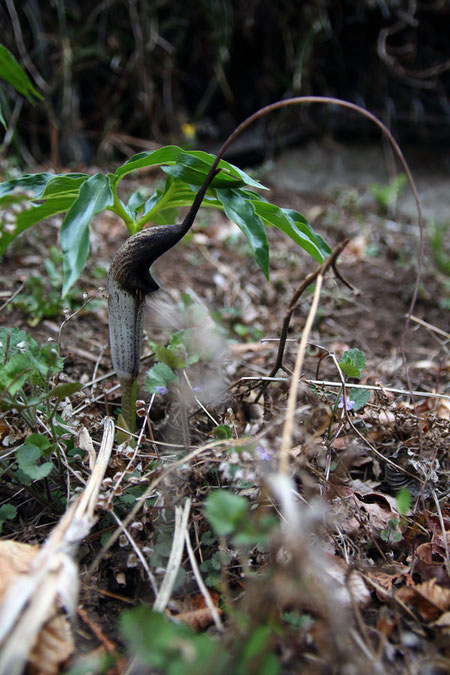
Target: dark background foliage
[{"x": 120, "y": 73}]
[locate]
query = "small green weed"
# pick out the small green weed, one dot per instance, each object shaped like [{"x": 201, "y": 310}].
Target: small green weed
[
  {"x": 229, "y": 515},
  {"x": 440, "y": 247},
  {"x": 7, "y": 512},
  {"x": 179, "y": 353},
  {"x": 352, "y": 364},
  {"x": 386, "y": 195},
  {"x": 176, "y": 650},
  {"x": 29, "y": 388},
  {"x": 41, "y": 298},
  {"x": 232, "y": 318},
  {"x": 392, "y": 533},
  {"x": 27, "y": 370}
]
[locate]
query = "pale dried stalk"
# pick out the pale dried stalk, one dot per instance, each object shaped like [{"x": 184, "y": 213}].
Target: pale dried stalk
[
  {"x": 176, "y": 553},
  {"x": 201, "y": 584},
  {"x": 53, "y": 574},
  {"x": 288, "y": 426},
  {"x": 327, "y": 383}
]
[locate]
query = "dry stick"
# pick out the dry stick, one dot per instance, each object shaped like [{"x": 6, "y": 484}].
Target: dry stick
[
  {"x": 328, "y": 383},
  {"x": 292, "y": 400},
  {"x": 330, "y": 262},
  {"x": 11, "y": 298},
  {"x": 288, "y": 427},
  {"x": 176, "y": 553},
  {"x": 201, "y": 584},
  {"x": 430, "y": 326}
]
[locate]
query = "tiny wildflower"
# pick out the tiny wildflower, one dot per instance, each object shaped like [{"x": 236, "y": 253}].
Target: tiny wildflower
[
  {"x": 348, "y": 403},
  {"x": 263, "y": 453},
  {"x": 160, "y": 389}
]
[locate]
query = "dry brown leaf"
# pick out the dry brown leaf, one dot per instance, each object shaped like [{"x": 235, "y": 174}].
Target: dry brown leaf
[
  {"x": 356, "y": 248},
  {"x": 439, "y": 407},
  {"x": 54, "y": 643},
  {"x": 54, "y": 646},
  {"x": 4, "y": 430},
  {"x": 431, "y": 562},
  {"x": 386, "y": 579},
  {"x": 38, "y": 582},
  {"x": 443, "y": 409},
  {"x": 351, "y": 584},
  {"x": 378, "y": 507},
  {"x": 198, "y": 619},
  {"x": 443, "y": 621},
  {"x": 386, "y": 622},
  {"x": 15, "y": 559},
  {"x": 430, "y": 599},
  {"x": 199, "y": 601}
]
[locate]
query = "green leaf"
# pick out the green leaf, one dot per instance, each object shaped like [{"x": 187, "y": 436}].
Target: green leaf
[
  {"x": 22, "y": 360},
  {"x": 29, "y": 454},
  {"x": 386, "y": 195},
  {"x": 64, "y": 184},
  {"x": 360, "y": 398},
  {"x": 15, "y": 373},
  {"x": 403, "y": 501},
  {"x": 257, "y": 650},
  {"x": 95, "y": 195},
  {"x": 12, "y": 341},
  {"x": 159, "y": 375},
  {"x": 136, "y": 202},
  {"x": 59, "y": 191},
  {"x": 60, "y": 391},
  {"x": 230, "y": 168},
  {"x": 242, "y": 212},
  {"x": 35, "y": 183},
  {"x": 173, "y": 649},
  {"x": 226, "y": 512},
  {"x": 352, "y": 363},
  {"x": 37, "y": 213},
  {"x": 14, "y": 358},
  {"x": 7, "y": 512},
  {"x": 45, "y": 358},
  {"x": 193, "y": 166},
  {"x": 11, "y": 72},
  {"x": 172, "y": 357},
  {"x": 391, "y": 533},
  {"x": 223, "y": 431},
  {"x": 167, "y": 154},
  {"x": 193, "y": 170},
  {"x": 283, "y": 219},
  {"x": 304, "y": 229}
]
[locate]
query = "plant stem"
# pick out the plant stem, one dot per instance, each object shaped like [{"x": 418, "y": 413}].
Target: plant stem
[
  {"x": 129, "y": 389},
  {"x": 118, "y": 208},
  {"x": 159, "y": 206}
]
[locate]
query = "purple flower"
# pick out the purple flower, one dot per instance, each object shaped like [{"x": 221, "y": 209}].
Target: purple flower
[
  {"x": 348, "y": 403},
  {"x": 160, "y": 389},
  {"x": 264, "y": 454}
]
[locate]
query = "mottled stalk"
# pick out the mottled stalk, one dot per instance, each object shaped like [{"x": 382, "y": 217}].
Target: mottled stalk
[{"x": 129, "y": 281}]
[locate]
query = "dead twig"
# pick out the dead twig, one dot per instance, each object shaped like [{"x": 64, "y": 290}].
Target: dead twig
[{"x": 310, "y": 279}]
